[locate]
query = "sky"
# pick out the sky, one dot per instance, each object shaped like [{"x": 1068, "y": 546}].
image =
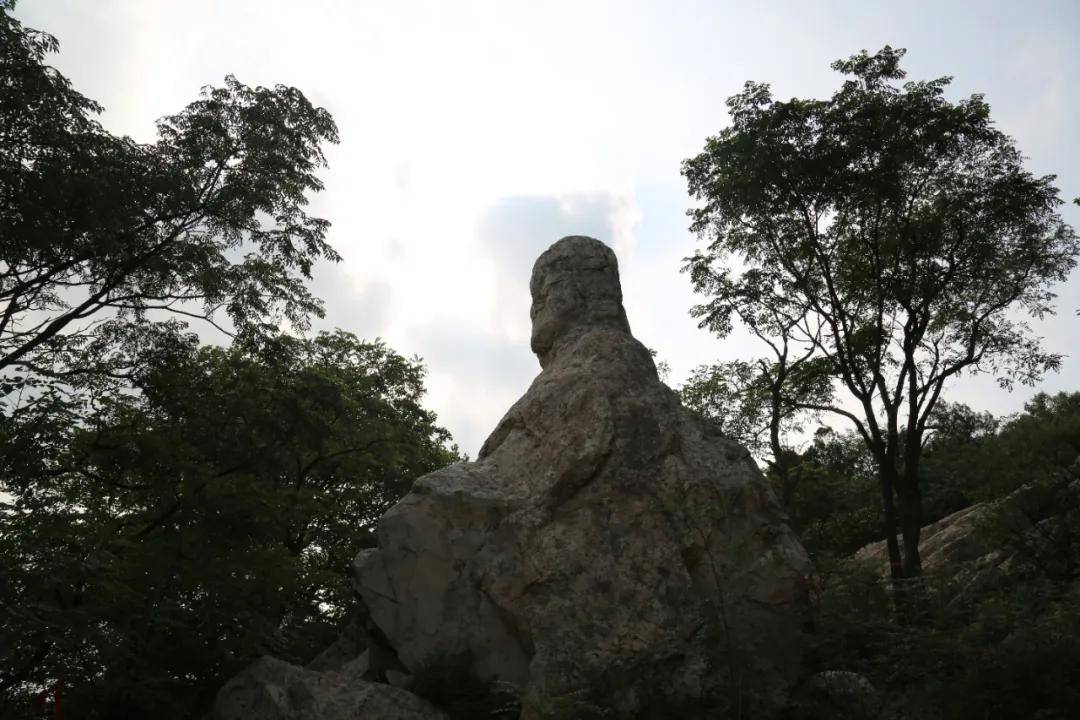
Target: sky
[{"x": 475, "y": 134}]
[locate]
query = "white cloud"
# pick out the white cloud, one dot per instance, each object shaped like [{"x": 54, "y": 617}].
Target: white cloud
[{"x": 474, "y": 134}]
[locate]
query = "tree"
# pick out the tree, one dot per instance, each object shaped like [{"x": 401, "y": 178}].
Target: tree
[
  {"x": 1041, "y": 442},
  {"x": 731, "y": 395},
  {"x": 97, "y": 230},
  {"x": 1007, "y": 648},
  {"x": 897, "y": 237},
  {"x": 747, "y": 400},
  {"x": 952, "y": 472},
  {"x": 202, "y": 517},
  {"x": 169, "y": 512},
  {"x": 835, "y": 508}
]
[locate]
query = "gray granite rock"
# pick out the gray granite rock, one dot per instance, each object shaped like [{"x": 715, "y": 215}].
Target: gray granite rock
[
  {"x": 271, "y": 689},
  {"x": 958, "y": 549},
  {"x": 840, "y": 695},
  {"x": 606, "y": 543}
]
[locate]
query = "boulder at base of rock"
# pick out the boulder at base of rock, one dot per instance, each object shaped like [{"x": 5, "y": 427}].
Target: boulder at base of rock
[
  {"x": 840, "y": 695},
  {"x": 607, "y": 548},
  {"x": 275, "y": 690}
]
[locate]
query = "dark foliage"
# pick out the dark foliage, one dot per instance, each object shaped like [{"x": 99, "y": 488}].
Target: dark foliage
[
  {"x": 98, "y": 230},
  {"x": 1010, "y": 648},
  {"x": 889, "y": 239},
  {"x": 169, "y": 512},
  {"x": 200, "y": 518}
]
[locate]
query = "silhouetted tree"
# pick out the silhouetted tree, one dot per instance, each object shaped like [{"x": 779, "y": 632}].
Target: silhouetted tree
[
  {"x": 753, "y": 403},
  {"x": 201, "y": 517},
  {"x": 97, "y": 230},
  {"x": 896, "y": 236},
  {"x": 169, "y": 512}
]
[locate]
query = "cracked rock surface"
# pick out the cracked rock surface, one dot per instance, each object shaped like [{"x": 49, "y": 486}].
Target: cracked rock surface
[
  {"x": 274, "y": 690},
  {"x": 606, "y": 544},
  {"x": 608, "y": 551}
]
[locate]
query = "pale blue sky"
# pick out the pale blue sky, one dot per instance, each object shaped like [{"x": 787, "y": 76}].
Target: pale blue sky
[{"x": 475, "y": 134}]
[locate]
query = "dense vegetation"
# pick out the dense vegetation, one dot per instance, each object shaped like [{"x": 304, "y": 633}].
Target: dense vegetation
[
  {"x": 1004, "y": 646},
  {"x": 1007, "y": 646},
  {"x": 169, "y": 512},
  {"x": 202, "y": 515}
]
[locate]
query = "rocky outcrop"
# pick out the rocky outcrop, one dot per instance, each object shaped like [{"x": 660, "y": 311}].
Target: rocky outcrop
[
  {"x": 947, "y": 543},
  {"x": 608, "y": 549},
  {"x": 275, "y": 690},
  {"x": 997, "y": 542},
  {"x": 840, "y": 695},
  {"x": 606, "y": 541}
]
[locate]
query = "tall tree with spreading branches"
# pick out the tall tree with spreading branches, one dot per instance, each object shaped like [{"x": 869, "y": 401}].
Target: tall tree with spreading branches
[
  {"x": 97, "y": 230},
  {"x": 893, "y": 238}
]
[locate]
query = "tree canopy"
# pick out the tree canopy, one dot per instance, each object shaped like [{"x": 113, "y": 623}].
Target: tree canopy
[
  {"x": 171, "y": 511},
  {"x": 887, "y": 235},
  {"x": 97, "y": 230},
  {"x": 201, "y": 517}
]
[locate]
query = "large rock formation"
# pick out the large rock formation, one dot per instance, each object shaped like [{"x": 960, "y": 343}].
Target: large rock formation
[
  {"x": 605, "y": 542},
  {"x": 607, "y": 549}
]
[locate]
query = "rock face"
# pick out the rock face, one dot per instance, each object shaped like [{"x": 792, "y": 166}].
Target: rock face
[
  {"x": 948, "y": 544},
  {"x": 1031, "y": 524},
  {"x": 608, "y": 554},
  {"x": 606, "y": 547},
  {"x": 275, "y": 690}
]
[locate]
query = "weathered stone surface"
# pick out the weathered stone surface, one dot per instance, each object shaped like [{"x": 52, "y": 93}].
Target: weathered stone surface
[
  {"x": 840, "y": 695},
  {"x": 952, "y": 548},
  {"x": 605, "y": 544},
  {"x": 943, "y": 544},
  {"x": 275, "y": 690},
  {"x": 352, "y": 642},
  {"x": 958, "y": 548}
]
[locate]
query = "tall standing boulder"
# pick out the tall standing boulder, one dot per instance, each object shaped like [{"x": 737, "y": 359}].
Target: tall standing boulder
[{"x": 607, "y": 549}]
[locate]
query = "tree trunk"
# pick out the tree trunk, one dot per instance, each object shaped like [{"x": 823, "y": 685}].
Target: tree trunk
[
  {"x": 909, "y": 592},
  {"x": 911, "y": 597},
  {"x": 911, "y": 509},
  {"x": 911, "y": 527},
  {"x": 888, "y": 480}
]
